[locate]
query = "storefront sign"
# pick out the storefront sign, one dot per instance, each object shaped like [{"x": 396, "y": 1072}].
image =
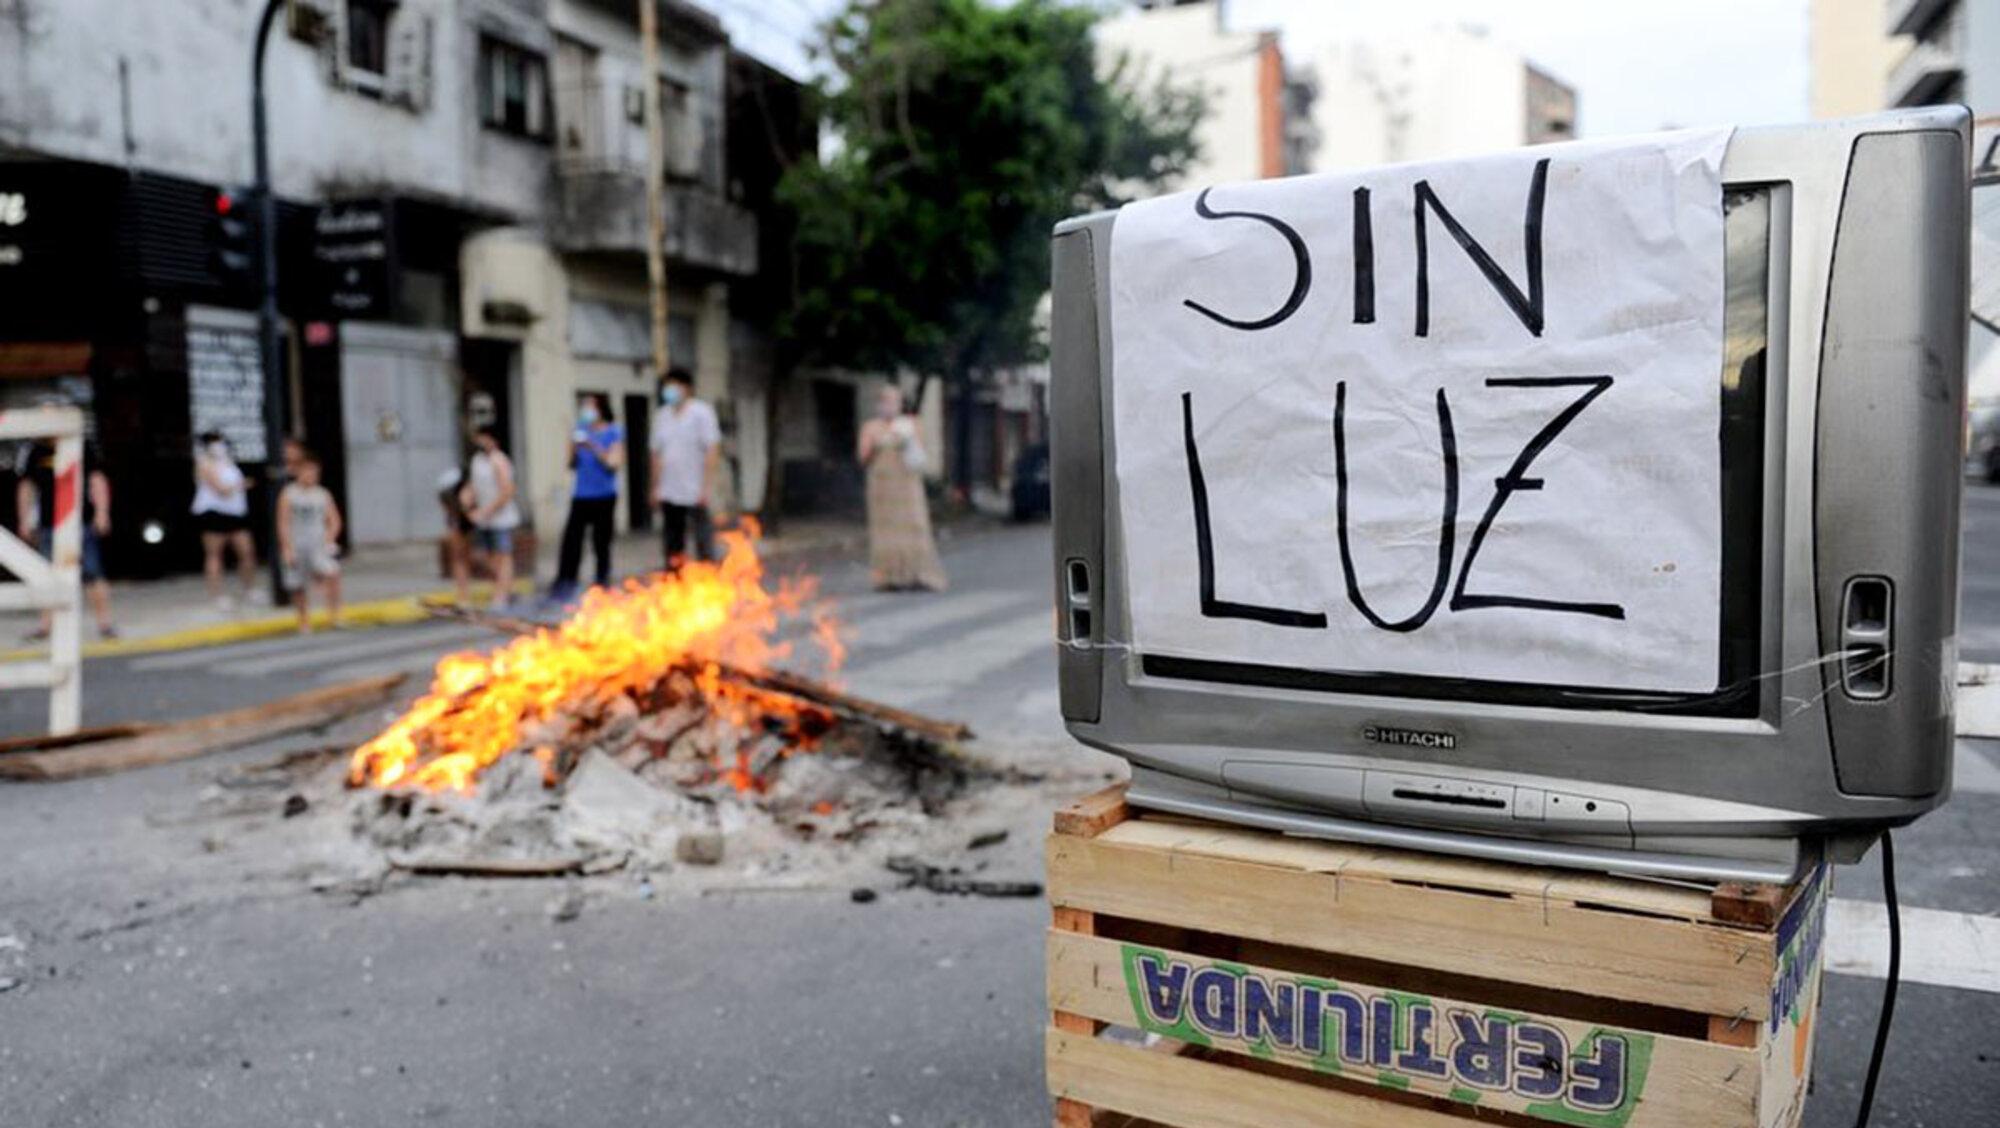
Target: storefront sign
[
  {"x": 226, "y": 378},
  {"x": 59, "y": 222},
  {"x": 354, "y": 259},
  {"x": 1580, "y": 1073},
  {"x": 13, "y": 213}
]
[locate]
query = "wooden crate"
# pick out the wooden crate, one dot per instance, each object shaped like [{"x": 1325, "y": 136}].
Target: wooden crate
[{"x": 1202, "y": 974}]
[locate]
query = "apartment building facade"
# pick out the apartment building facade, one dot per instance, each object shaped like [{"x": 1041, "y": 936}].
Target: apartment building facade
[
  {"x": 461, "y": 241},
  {"x": 1431, "y": 93},
  {"x": 1953, "y": 53}
]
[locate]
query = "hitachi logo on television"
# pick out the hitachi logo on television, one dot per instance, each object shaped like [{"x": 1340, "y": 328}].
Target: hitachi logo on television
[{"x": 1409, "y": 738}]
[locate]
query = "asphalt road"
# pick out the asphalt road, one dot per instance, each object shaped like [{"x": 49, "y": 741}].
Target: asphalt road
[{"x": 169, "y": 979}]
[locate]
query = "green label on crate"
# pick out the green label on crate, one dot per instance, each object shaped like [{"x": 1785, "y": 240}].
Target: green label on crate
[{"x": 1392, "y": 1038}]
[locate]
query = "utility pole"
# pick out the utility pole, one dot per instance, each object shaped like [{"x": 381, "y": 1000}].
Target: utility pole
[
  {"x": 656, "y": 185},
  {"x": 270, "y": 346}
]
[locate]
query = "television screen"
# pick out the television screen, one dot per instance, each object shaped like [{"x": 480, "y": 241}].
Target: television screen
[
  {"x": 1591, "y": 504},
  {"x": 1739, "y": 455}
]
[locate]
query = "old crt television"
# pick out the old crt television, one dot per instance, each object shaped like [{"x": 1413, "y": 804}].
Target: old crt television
[{"x": 1589, "y": 505}]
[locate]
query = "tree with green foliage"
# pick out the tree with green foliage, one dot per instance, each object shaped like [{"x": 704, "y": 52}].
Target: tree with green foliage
[{"x": 961, "y": 131}]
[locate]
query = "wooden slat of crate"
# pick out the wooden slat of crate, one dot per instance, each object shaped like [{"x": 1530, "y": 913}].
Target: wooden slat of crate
[
  {"x": 1095, "y": 1072},
  {"x": 1621, "y": 940},
  {"x": 1683, "y": 1082}
]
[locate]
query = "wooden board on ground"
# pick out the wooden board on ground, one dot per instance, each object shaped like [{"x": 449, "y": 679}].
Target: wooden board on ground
[
  {"x": 43, "y": 741},
  {"x": 777, "y": 681},
  {"x": 182, "y": 740},
  {"x": 1290, "y": 981}
]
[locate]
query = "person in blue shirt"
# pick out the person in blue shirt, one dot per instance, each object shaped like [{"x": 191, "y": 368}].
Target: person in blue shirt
[{"x": 597, "y": 452}]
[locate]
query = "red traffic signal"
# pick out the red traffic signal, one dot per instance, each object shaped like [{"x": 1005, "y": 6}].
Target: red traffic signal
[{"x": 233, "y": 240}]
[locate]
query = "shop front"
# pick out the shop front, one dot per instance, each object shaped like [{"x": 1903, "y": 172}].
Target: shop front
[{"x": 110, "y": 302}]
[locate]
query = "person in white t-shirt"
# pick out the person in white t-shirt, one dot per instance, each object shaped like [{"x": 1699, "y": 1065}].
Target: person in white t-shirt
[
  {"x": 488, "y": 497},
  {"x": 221, "y": 512},
  {"x": 687, "y": 453}
]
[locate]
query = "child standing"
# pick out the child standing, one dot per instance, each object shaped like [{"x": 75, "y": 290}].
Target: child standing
[{"x": 309, "y": 540}]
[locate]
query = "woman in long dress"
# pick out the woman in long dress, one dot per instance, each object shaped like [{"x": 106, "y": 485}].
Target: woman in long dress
[{"x": 902, "y": 555}]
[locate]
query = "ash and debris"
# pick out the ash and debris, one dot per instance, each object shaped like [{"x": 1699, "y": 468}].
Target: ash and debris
[{"x": 868, "y": 810}]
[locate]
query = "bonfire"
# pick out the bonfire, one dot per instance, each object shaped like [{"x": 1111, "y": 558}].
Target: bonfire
[
  {"x": 664, "y": 640},
  {"x": 674, "y": 685}
]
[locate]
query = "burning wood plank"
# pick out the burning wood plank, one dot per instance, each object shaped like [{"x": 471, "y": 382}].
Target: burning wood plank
[
  {"x": 182, "y": 740},
  {"x": 818, "y": 692},
  {"x": 855, "y": 708}
]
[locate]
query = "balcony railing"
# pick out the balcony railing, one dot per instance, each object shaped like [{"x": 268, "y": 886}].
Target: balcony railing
[
  {"x": 601, "y": 127},
  {"x": 1931, "y": 66},
  {"x": 601, "y": 156},
  {"x": 605, "y": 211},
  {"x": 1908, "y": 17}
]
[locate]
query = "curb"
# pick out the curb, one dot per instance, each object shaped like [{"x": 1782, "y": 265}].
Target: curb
[{"x": 389, "y": 612}]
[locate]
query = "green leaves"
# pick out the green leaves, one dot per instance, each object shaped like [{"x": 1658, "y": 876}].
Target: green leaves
[{"x": 965, "y": 131}]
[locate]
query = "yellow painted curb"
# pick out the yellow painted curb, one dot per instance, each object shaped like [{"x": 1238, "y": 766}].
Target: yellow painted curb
[{"x": 393, "y": 611}]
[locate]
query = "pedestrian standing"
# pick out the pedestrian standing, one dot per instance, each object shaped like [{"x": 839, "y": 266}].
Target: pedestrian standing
[
  {"x": 35, "y": 520},
  {"x": 221, "y": 512},
  {"x": 457, "y": 542},
  {"x": 902, "y": 554},
  {"x": 687, "y": 453},
  {"x": 309, "y": 540},
  {"x": 488, "y": 497},
  {"x": 597, "y": 452}
]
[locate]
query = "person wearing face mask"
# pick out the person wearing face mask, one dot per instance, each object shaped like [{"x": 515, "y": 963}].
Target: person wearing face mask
[
  {"x": 222, "y": 514},
  {"x": 597, "y": 452},
  {"x": 687, "y": 452},
  {"x": 902, "y": 554}
]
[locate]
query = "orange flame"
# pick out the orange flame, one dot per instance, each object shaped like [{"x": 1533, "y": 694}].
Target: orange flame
[{"x": 620, "y": 641}]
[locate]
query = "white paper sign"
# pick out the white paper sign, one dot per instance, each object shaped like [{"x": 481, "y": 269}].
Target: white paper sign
[{"x": 1457, "y": 419}]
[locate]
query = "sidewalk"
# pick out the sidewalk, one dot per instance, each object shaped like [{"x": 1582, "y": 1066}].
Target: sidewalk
[{"x": 381, "y": 585}]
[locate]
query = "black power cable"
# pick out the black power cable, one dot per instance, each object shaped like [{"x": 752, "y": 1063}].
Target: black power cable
[{"x": 1895, "y": 973}]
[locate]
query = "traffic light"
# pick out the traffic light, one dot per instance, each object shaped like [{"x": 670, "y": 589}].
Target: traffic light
[{"x": 233, "y": 239}]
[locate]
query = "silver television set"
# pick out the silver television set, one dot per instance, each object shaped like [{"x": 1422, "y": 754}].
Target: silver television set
[{"x": 1839, "y": 392}]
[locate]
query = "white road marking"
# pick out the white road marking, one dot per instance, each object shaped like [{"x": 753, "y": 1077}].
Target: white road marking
[
  {"x": 420, "y": 665},
  {"x": 1943, "y": 949},
  {"x": 370, "y": 644},
  {"x": 956, "y": 663},
  {"x": 927, "y": 613},
  {"x": 1978, "y": 709},
  {"x": 1973, "y": 771},
  {"x": 200, "y": 656}
]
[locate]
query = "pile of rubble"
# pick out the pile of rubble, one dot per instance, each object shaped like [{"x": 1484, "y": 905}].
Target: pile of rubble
[
  {"x": 672, "y": 784},
  {"x": 654, "y": 726}
]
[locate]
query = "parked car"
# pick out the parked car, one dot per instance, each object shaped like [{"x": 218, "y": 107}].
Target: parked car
[{"x": 1031, "y": 483}]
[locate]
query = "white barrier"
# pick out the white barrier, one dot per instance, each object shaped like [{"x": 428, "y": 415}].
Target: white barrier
[{"x": 51, "y": 583}]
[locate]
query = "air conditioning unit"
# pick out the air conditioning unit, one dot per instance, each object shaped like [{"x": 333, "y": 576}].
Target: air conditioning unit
[{"x": 311, "y": 21}]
